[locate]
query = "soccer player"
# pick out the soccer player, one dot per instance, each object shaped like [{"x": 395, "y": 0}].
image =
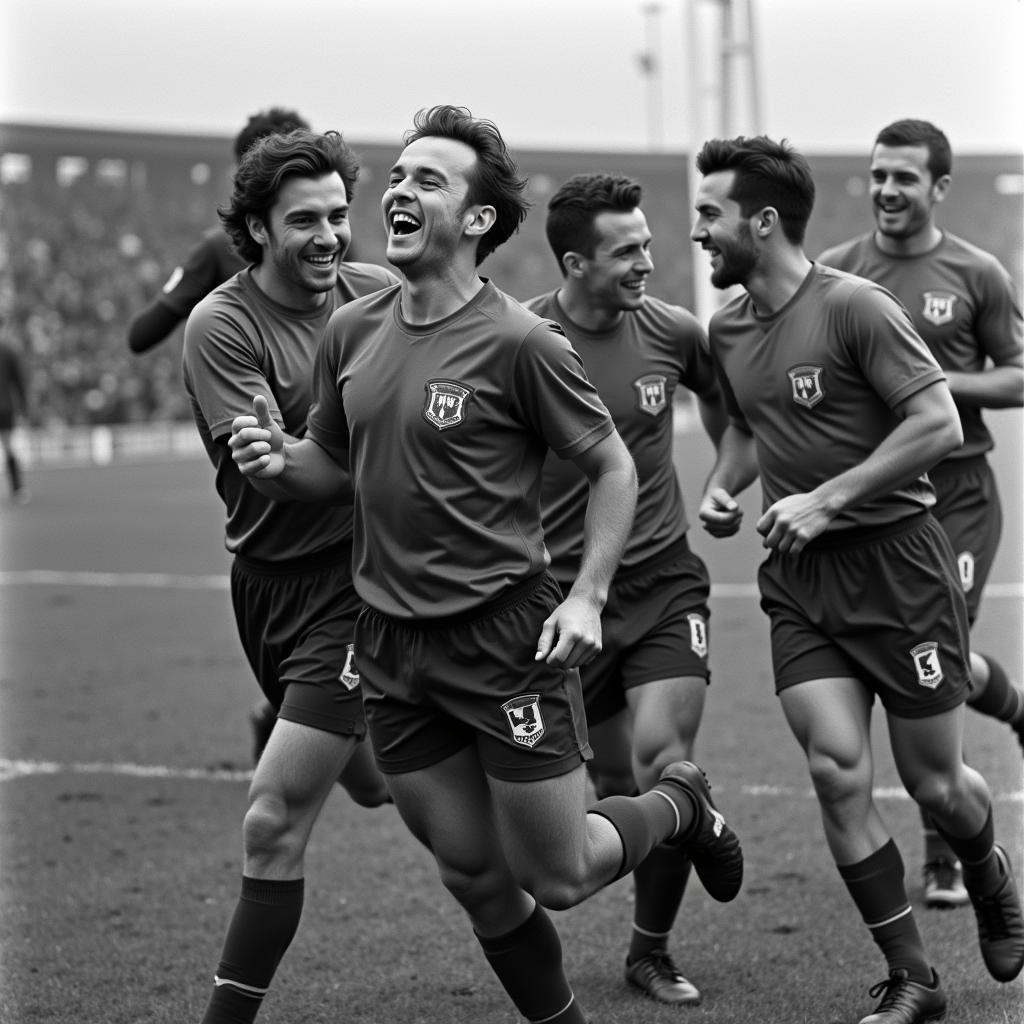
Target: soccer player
[
  {"x": 212, "y": 260},
  {"x": 838, "y": 404},
  {"x": 644, "y": 693},
  {"x": 964, "y": 306},
  {"x": 444, "y": 395},
  {"x": 13, "y": 402},
  {"x": 291, "y": 578}
]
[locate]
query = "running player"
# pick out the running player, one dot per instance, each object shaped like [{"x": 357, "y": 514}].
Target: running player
[
  {"x": 291, "y": 578},
  {"x": 644, "y": 693},
  {"x": 838, "y": 404},
  {"x": 444, "y": 395},
  {"x": 13, "y": 402},
  {"x": 964, "y": 306}
]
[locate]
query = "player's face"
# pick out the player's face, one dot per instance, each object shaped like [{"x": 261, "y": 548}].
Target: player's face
[
  {"x": 424, "y": 207},
  {"x": 723, "y": 232},
  {"x": 305, "y": 237},
  {"x": 615, "y": 277},
  {"x": 903, "y": 195}
]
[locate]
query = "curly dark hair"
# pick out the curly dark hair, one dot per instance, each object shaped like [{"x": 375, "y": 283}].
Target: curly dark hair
[
  {"x": 276, "y": 120},
  {"x": 264, "y": 168}
]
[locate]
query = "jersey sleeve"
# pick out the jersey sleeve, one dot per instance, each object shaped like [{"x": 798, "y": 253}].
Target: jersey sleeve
[
  {"x": 326, "y": 423},
  {"x": 554, "y": 397},
  {"x": 891, "y": 354},
  {"x": 999, "y": 326},
  {"x": 223, "y": 367},
  {"x": 697, "y": 369},
  {"x": 192, "y": 280}
]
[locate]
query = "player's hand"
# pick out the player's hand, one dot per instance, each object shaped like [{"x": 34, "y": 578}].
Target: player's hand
[
  {"x": 793, "y": 522},
  {"x": 571, "y": 634},
  {"x": 720, "y": 513},
  {"x": 257, "y": 442}
]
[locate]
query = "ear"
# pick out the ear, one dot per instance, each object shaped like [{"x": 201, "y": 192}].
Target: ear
[
  {"x": 256, "y": 228},
  {"x": 573, "y": 264},
  {"x": 940, "y": 187},
  {"x": 765, "y": 221},
  {"x": 478, "y": 220}
]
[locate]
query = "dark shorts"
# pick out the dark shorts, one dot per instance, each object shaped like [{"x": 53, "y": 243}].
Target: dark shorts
[
  {"x": 883, "y": 606},
  {"x": 968, "y": 507},
  {"x": 6, "y": 420},
  {"x": 654, "y": 626},
  {"x": 432, "y": 688},
  {"x": 297, "y": 625}
]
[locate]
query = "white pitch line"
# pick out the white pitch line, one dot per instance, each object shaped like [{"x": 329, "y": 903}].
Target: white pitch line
[
  {"x": 164, "y": 580},
  {"x": 19, "y": 769}
]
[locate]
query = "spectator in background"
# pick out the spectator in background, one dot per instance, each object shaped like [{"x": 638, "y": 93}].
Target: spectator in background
[
  {"x": 212, "y": 260},
  {"x": 13, "y": 401}
]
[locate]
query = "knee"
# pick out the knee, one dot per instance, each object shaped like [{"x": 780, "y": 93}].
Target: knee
[
  {"x": 936, "y": 793},
  {"x": 837, "y": 780},
  {"x": 266, "y": 826},
  {"x": 558, "y": 893}
]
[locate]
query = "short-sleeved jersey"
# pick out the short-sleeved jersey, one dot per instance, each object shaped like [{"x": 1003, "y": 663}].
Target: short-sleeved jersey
[
  {"x": 816, "y": 383},
  {"x": 211, "y": 262},
  {"x": 963, "y": 303},
  {"x": 239, "y": 343},
  {"x": 447, "y": 426},
  {"x": 636, "y": 367}
]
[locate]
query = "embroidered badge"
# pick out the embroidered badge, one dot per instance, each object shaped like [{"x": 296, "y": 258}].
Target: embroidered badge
[
  {"x": 698, "y": 635},
  {"x": 938, "y": 307},
  {"x": 524, "y": 718},
  {"x": 651, "y": 393},
  {"x": 926, "y": 661},
  {"x": 807, "y": 387},
  {"x": 350, "y": 673},
  {"x": 446, "y": 403},
  {"x": 965, "y": 563}
]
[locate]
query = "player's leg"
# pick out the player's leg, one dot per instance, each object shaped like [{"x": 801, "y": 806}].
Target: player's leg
[
  {"x": 448, "y": 807},
  {"x": 929, "y": 758},
  {"x": 297, "y": 771},
  {"x": 830, "y": 719},
  {"x": 12, "y": 467},
  {"x": 666, "y": 714}
]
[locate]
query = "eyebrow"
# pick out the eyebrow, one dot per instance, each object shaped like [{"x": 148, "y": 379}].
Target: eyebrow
[{"x": 420, "y": 171}]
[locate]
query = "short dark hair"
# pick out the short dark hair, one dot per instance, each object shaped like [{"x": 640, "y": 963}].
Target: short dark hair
[
  {"x": 573, "y": 209},
  {"x": 910, "y": 131},
  {"x": 271, "y": 161},
  {"x": 768, "y": 173},
  {"x": 276, "y": 120},
  {"x": 496, "y": 181}
]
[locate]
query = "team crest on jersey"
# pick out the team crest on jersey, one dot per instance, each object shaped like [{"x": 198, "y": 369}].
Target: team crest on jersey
[
  {"x": 926, "y": 661},
  {"x": 350, "y": 673},
  {"x": 651, "y": 393},
  {"x": 938, "y": 307},
  {"x": 807, "y": 387},
  {"x": 446, "y": 402},
  {"x": 965, "y": 563},
  {"x": 524, "y": 718},
  {"x": 698, "y": 635}
]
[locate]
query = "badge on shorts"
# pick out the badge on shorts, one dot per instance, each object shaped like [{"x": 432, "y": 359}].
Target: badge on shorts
[
  {"x": 698, "y": 635},
  {"x": 938, "y": 307},
  {"x": 524, "y": 718},
  {"x": 350, "y": 673},
  {"x": 446, "y": 403},
  {"x": 965, "y": 563},
  {"x": 651, "y": 393},
  {"x": 926, "y": 661},
  {"x": 807, "y": 387}
]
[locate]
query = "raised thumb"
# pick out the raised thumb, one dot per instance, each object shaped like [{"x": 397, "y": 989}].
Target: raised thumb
[{"x": 262, "y": 410}]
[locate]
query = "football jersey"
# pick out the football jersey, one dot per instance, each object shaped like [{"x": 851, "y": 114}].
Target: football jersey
[
  {"x": 447, "y": 426},
  {"x": 636, "y": 367},
  {"x": 211, "y": 261},
  {"x": 238, "y": 343},
  {"x": 816, "y": 383},
  {"x": 962, "y": 302}
]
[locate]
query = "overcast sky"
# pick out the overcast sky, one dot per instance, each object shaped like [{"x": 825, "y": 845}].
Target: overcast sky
[{"x": 551, "y": 73}]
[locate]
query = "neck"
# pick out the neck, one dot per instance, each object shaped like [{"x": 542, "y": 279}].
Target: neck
[
  {"x": 920, "y": 242},
  {"x": 585, "y": 314},
  {"x": 427, "y": 300},
  {"x": 283, "y": 292},
  {"x": 775, "y": 282}
]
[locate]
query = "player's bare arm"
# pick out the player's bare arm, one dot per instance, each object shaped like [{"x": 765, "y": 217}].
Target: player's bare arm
[
  {"x": 929, "y": 429},
  {"x": 571, "y": 635},
  {"x": 735, "y": 469},
  {"x": 998, "y": 387},
  {"x": 299, "y": 470}
]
